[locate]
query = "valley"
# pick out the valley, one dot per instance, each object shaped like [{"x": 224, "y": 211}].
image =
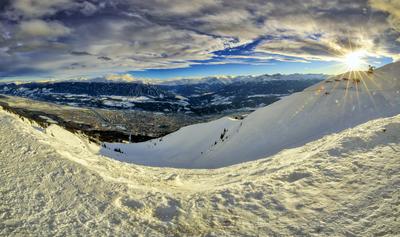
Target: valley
[
  {"x": 140, "y": 111},
  {"x": 100, "y": 125}
]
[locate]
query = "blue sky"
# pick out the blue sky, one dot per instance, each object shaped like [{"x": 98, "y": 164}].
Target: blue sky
[
  {"x": 205, "y": 70},
  {"x": 72, "y": 39}
]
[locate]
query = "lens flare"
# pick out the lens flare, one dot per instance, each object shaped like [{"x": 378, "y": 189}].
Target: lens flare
[{"x": 355, "y": 61}]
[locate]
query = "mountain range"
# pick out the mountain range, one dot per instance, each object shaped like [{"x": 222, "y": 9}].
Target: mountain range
[{"x": 195, "y": 96}]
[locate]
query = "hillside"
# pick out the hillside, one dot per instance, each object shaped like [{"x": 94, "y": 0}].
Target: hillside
[
  {"x": 344, "y": 184},
  {"x": 330, "y": 106}
]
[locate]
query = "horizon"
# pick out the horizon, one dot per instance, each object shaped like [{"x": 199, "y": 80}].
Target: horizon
[{"x": 134, "y": 78}]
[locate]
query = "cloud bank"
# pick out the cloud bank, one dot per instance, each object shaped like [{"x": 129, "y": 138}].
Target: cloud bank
[{"x": 71, "y": 38}]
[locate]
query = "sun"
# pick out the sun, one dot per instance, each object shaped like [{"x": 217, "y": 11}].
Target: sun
[{"x": 355, "y": 61}]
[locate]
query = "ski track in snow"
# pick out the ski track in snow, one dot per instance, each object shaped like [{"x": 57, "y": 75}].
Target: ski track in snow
[{"x": 345, "y": 184}]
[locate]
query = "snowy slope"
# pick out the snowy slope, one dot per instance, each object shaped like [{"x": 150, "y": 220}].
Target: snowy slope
[
  {"x": 345, "y": 184},
  {"x": 333, "y": 105}
]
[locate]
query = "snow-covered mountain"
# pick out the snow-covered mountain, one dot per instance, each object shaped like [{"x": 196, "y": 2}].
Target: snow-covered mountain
[
  {"x": 345, "y": 184},
  {"x": 225, "y": 80},
  {"x": 206, "y": 96},
  {"x": 335, "y": 104}
]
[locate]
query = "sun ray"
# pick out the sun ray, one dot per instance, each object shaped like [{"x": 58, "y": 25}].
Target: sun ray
[
  {"x": 372, "y": 79},
  {"x": 367, "y": 90}
]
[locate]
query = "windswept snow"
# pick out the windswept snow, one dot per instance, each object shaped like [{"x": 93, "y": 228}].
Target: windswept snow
[
  {"x": 331, "y": 106},
  {"x": 345, "y": 184}
]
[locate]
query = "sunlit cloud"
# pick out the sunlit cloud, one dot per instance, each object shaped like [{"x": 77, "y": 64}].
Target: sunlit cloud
[
  {"x": 71, "y": 38},
  {"x": 40, "y": 28}
]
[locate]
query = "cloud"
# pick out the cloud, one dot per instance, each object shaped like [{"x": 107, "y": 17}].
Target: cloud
[
  {"x": 121, "y": 78},
  {"x": 40, "y": 28},
  {"x": 88, "y": 8},
  {"x": 72, "y": 38},
  {"x": 390, "y": 6},
  {"x": 172, "y": 8},
  {"x": 104, "y": 58},
  {"x": 79, "y": 53},
  {"x": 37, "y": 8},
  {"x": 301, "y": 48}
]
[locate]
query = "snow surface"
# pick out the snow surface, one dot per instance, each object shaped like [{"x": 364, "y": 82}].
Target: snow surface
[
  {"x": 345, "y": 184},
  {"x": 331, "y": 106}
]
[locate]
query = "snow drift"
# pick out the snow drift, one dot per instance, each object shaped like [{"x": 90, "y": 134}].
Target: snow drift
[
  {"x": 335, "y": 104},
  {"x": 344, "y": 184}
]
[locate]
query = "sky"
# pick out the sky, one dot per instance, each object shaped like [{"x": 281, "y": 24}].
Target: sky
[{"x": 80, "y": 39}]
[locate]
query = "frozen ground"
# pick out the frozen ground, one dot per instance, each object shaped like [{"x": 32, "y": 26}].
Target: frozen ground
[{"x": 345, "y": 184}]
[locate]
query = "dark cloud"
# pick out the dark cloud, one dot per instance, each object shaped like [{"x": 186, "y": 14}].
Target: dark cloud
[
  {"x": 393, "y": 8},
  {"x": 94, "y": 37},
  {"x": 104, "y": 58},
  {"x": 78, "y": 53},
  {"x": 23, "y": 71}
]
